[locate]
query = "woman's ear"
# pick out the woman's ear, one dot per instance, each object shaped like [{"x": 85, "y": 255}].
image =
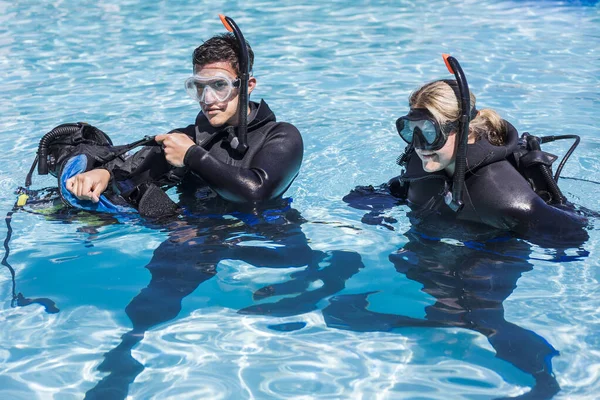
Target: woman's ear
[{"x": 251, "y": 84}]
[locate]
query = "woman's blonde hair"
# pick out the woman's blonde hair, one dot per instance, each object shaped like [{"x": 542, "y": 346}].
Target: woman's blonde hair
[{"x": 440, "y": 99}]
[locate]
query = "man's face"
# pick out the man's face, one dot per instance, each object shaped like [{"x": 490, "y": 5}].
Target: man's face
[{"x": 225, "y": 112}]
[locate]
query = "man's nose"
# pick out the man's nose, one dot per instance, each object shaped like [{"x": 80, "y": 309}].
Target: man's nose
[{"x": 209, "y": 96}]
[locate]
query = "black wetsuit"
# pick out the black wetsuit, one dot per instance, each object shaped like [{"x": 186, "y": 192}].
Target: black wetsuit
[
  {"x": 495, "y": 195},
  {"x": 237, "y": 213},
  {"x": 213, "y": 168},
  {"x": 469, "y": 281}
]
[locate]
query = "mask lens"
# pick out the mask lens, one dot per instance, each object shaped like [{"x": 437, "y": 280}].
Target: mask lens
[
  {"x": 420, "y": 129},
  {"x": 221, "y": 88},
  {"x": 428, "y": 131},
  {"x": 407, "y": 129},
  {"x": 209, "y": 90}
]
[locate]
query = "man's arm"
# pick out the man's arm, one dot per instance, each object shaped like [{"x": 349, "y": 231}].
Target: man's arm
[{"x": 270, "y": 173}]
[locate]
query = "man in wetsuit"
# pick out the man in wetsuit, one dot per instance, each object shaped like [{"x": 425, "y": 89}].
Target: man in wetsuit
[
  {"x": 232, "y": 185},
  {"x": 204, "y": 155}
]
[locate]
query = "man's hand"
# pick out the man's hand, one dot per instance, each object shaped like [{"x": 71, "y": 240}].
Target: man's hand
[
  {"x": 89, "y": 185},
  {"x": 175, "y": 146}
]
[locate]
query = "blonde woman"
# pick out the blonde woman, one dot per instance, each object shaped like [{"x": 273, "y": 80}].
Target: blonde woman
[{"x": 462, "y": 164}]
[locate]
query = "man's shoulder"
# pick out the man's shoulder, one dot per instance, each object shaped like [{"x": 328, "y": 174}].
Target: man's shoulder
[
  {"x": 284, "y": 135},
  {"x": 279, "y": 128}
]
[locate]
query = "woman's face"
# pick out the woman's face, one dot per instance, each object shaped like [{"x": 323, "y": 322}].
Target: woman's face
[{"x": 442, "y": 159}]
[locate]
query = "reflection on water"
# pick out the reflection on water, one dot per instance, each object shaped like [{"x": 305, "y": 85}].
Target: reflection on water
[
  {"x": 253, "y": 326},
  {"x": 196, "y": 245},
  {"x": 469, "y": 282}
]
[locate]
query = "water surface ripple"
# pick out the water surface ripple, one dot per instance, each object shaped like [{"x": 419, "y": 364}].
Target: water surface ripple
[{"x": 341, "y": 71}]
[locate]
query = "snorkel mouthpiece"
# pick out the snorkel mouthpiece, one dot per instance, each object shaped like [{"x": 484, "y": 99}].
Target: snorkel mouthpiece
[
  {"x": 454, "y": 199},
  {"x": 242, "y": 143}
]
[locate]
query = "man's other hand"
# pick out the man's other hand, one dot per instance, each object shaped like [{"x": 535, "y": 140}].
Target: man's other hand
[
  {"x": 89, "y": 185},
  {"x": 175, "y": 146}
]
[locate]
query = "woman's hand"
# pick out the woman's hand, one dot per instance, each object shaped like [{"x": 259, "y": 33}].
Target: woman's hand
[
  {"x": 175, "y": 146},
  {"x": 89, "y": 185}
]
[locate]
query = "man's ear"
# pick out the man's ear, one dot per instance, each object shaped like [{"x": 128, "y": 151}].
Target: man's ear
[{"x": 251, "y": 84}]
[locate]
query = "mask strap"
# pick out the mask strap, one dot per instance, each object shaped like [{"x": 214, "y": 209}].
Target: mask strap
[{"x": 454, "y": 86}]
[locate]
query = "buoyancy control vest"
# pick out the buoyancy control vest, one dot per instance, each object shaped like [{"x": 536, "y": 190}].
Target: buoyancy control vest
[
  {"x": 535, "y": 165},
  {"x": 74, "y": 148},
  {"x": 506, "y": 187},
  {"x": 527, "y": 157}
]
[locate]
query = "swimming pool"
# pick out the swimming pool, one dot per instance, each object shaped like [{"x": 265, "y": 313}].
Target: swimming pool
[{"x": 341, "y": 72}]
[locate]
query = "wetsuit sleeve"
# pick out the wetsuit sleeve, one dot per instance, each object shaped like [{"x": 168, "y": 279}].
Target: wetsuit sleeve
[
  {"x": 398, "y": 188},
  {"x": 270, "y": 173},
  {"x": 504, "y": 199},
  {"x": 376, "y": 200},
  {"x": 549, "y": 225}
]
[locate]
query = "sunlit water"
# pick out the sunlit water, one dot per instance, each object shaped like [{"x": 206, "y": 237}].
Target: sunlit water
[{"x": 341, "y": 72}]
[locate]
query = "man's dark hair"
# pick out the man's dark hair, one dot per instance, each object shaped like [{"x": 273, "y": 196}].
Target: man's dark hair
[{"x": 223, "y": 47}]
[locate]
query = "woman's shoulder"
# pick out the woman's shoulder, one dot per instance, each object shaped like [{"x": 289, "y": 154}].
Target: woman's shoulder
[
  {"x": 501, "y": 184},
  {"x": 503, "y": 197}
]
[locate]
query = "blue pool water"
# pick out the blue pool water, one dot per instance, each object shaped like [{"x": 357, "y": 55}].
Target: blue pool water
[{"x": 341, "y": 72}]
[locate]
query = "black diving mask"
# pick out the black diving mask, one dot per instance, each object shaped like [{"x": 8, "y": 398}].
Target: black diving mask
[{"x": 422, "y": 130}]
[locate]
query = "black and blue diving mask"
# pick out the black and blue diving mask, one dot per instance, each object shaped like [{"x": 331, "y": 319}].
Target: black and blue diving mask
[{"x": 422, "y": 130}]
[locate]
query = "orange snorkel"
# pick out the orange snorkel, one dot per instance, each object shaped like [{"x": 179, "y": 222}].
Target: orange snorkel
[
  {"x": 241, "y": 144},
  {"x": 454, "y": 199}
]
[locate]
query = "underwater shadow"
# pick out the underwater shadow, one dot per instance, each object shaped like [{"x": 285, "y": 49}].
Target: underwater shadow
[
  {"x": 190, "y": 257},
  {"x": 469, "y": 283}
]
